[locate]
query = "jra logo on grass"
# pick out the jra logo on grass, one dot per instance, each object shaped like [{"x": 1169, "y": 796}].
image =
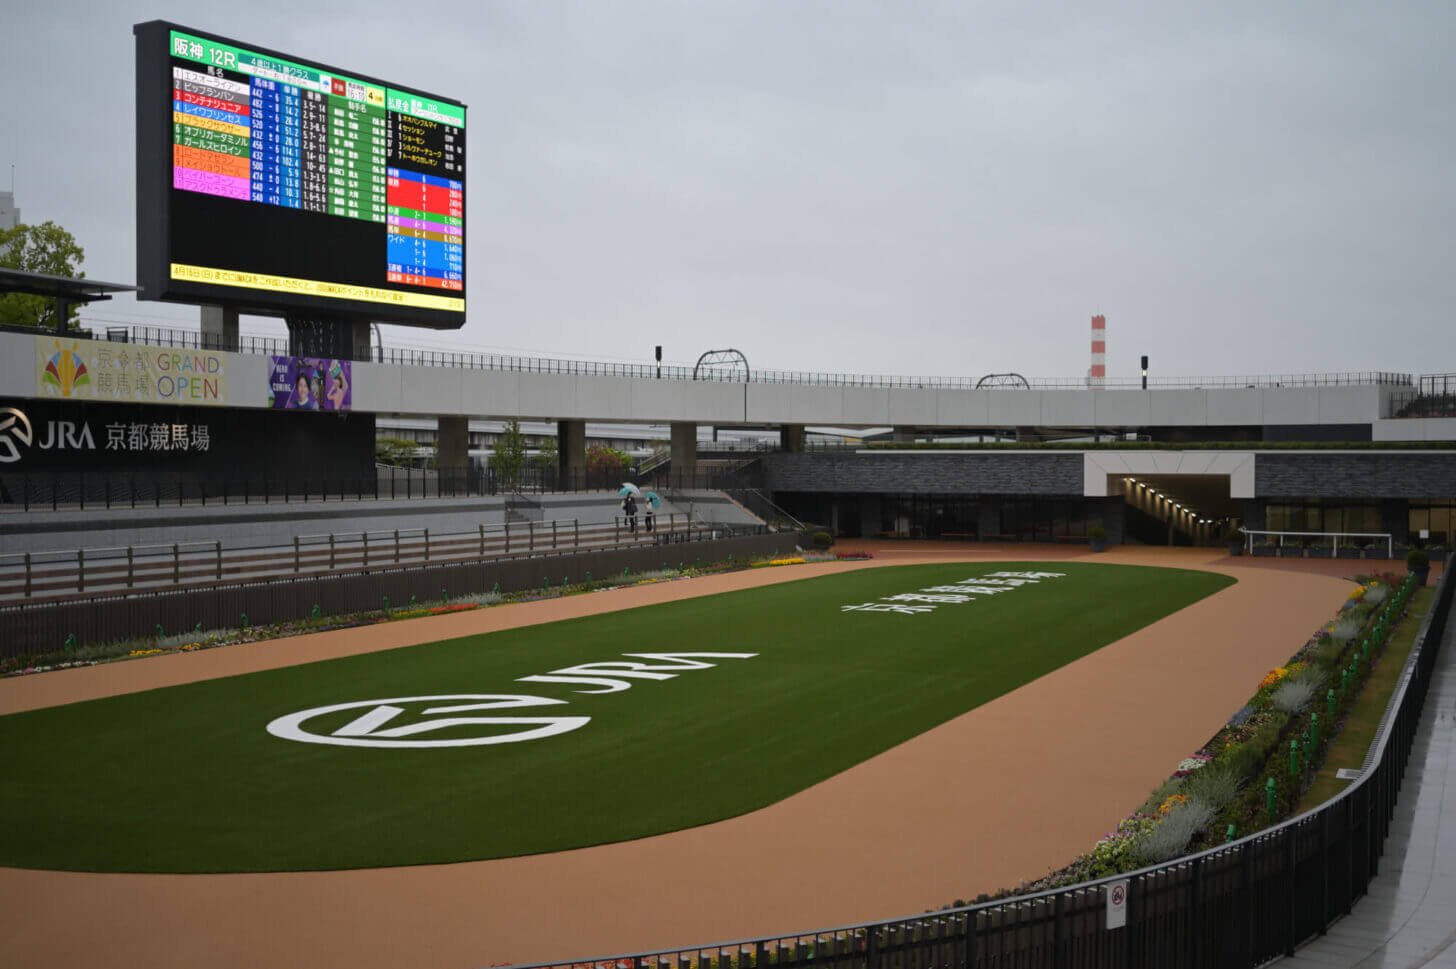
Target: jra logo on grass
[{"x": 377, "y": 723}]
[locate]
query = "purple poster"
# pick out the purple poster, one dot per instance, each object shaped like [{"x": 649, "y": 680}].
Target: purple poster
[{"x": 310, "y": 383}]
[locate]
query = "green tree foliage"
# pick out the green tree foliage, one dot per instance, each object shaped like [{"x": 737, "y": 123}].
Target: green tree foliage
[
  {"x": 394, "y": 451},
  {"x": 545, "y": 459},
  {"x": 509, "y": 454},
  {"x": 44, "y": 248}
]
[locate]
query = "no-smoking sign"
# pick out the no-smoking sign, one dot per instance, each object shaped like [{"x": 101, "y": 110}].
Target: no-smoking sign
[{"x": 1116, "y": 903}]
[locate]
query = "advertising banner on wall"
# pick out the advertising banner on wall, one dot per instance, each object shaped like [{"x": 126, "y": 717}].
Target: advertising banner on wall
[
  {"x": 310, "y": 383},
  {"x": 71, "y": 369}
]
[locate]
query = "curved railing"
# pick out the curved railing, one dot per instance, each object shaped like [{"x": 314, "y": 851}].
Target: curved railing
[
  {"x": 424, "y": 357},
  {"x": 1238, "y": 905}
]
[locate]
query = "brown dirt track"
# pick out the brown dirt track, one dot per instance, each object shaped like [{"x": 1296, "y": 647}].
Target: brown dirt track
[{"x": 1003, "y": 793}]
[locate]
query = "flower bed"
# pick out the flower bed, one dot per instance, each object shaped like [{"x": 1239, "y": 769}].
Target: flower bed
[{"x": 1252, "y": 772}]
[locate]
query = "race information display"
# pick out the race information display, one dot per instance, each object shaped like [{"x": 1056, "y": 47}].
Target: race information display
[{"x": 296, "y": 186}]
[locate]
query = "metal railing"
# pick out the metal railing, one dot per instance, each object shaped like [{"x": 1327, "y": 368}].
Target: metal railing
[
  {"x": 33, "y": 628},
  {"x": 1238, "y": 905},
  {"x": 67, "y": 572},
  {"x": 1334, "y": 538},
  {"x": 1422, "y": 404},
  {"x": 424, "y": 357},
  {"x": 82, "y": 490}
]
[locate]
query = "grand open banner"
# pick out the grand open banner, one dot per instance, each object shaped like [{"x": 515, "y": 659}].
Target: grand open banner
[{"x": 71, "y": 369}]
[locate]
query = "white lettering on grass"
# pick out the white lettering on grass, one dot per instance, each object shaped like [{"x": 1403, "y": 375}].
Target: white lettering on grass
[
  {"x": 966, "y": 590},
  {"x": 616, "y": 674}
]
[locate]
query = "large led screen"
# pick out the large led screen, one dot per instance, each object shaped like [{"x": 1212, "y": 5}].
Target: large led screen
[{"x": 276, "y": 184}]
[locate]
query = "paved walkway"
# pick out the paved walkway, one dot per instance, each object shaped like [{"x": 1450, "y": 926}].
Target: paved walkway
[{"x": 1408, "y": 919}]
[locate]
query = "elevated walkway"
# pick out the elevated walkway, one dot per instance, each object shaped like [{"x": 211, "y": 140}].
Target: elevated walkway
[{"x": 1408, "y": 918}]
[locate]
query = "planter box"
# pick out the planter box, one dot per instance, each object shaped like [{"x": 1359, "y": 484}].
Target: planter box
[
  {"x": 1236, "y": 548},
  {"x": 1438, "y": 554},
  {"x": 1350, "y": 553},
  {"x": 1288, "y": 552},
  {"x": 1265, "y": 553}
]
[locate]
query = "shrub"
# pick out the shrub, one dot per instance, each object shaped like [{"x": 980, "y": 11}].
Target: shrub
[
  {"x": 1172, "y": 834},
  {"x": 1215, "y": 786},
  {"x": 1097, "y": 533},
  {"x": 1345, "y": 630},
  {"x": 1377, "y": 594},
  {"x": 822, "y": 539},
  {"x": 1294, "y": 695},
  {"x": 1417, "y": 558}
]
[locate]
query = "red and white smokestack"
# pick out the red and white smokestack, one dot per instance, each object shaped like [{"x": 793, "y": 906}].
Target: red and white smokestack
[{"x": 1097, "y": 376}]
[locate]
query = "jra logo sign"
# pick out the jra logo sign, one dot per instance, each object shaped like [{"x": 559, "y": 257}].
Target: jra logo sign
[
  {"x": 372, "y": 727},
  {"x": 379, "y": 721}
]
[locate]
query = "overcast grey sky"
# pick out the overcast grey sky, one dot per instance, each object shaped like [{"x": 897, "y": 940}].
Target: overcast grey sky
[{"x": 914, "y": 188}]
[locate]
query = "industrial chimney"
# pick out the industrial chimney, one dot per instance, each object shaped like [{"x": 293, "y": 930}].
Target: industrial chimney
[{"x": 1097, "y": 376}]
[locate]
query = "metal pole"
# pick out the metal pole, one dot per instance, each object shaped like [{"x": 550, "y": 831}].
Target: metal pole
[
  {"x": 331, "y": 550},
  {"x": 219, "y": 560},
  {"x": 129, "y": 571},
  {"x": 365, "y": 537},
  {"x": 396, "y": 546},
  {"x": 482, "y": 539},
  {"x": 576, "y": 532},
  {"x": 530, "y": 536},
  {"x": 508, "y": 538},
  {"x": 177, "y": 564},
  {"x": 295, "y": 553},
  {"x": 553, "y": 533},
  {"x": 427, "y": 545},
  {"x": 27, "y": 575}
]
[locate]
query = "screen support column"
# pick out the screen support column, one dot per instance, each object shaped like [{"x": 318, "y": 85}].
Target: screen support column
[{"x": 340, "y": 339}]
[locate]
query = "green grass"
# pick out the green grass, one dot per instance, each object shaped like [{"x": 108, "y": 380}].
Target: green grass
[
  {"x": 187, "y": 778},
  {"x": 1354, "y": 739}
]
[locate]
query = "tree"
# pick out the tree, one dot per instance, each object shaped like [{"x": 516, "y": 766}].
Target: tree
[
  {"x": 599, "y": 457},
  {"x": 44, "y": 248},
  {"x": 509, "y": 454},
  {"x": 546, "y": 458},
  {"x": 394, "y": 451}
]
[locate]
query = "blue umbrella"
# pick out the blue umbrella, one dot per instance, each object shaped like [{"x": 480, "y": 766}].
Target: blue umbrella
[{"x": 653, "y": 497}]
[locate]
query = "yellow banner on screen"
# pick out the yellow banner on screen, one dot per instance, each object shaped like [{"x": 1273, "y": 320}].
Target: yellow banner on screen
[{"x": 310, "y": 287}]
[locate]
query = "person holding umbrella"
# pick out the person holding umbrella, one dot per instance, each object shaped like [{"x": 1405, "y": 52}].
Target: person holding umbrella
[
  {"x": 629, "y": 493},
  {"x": 649, "y": 513}
]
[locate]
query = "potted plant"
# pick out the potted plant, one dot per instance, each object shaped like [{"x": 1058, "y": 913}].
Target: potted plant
[
  {"x": 1291, "y": 551},
  {"x": 1097, "y": 538},
  {"x": 1235, "y": 541},
  {"x": 822, "y": 539},
  {"x": 1350, "y": 551},
  {"x": 1265, "y": 550},
  {"x": 1419, "y": 564},
  {"x": 1319, "y": 550}
]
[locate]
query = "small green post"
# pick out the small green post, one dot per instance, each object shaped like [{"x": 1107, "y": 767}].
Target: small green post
[
  {"x": 1293, "y": 757},
  {"x": 1330, "y": 704},
  {"x": 317, "y": 612},
  {"x": 1229, "y": 836},
  {"x": 197, "y": 628},
  {"x": 245, "y": 621},
  {"x": 444, "y": 594},
  {"x": 1314, "y": 731},
  {"x": 386, "y": 605},
  {"x": 1269, "y": 798},
  {"x": 496, "y": 590},
  {"x": 412, "y": 602},
  {"x": 70, "y": 642},
  {"x": 160, "y": 634},
  {"x": 1344, "y": 681},
  {"x": 1304, "y": 744}
]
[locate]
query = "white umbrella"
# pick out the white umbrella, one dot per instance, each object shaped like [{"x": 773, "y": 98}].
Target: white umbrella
[{"x": 628, "y": 488}]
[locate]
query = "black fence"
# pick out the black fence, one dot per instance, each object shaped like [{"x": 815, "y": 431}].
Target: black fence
[
  {"x": 1239, "y": 905},
  {"x": 27, "y": 629},
  {"x": 427, "y": 357},
  {"x": 121, "y": 489}
]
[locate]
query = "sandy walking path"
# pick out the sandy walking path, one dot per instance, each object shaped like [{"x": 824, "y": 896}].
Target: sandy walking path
[{"x": 1000, "y": 794}]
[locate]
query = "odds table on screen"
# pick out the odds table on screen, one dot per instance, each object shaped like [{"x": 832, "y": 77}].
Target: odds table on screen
[{"x": 258, "y": 129}]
